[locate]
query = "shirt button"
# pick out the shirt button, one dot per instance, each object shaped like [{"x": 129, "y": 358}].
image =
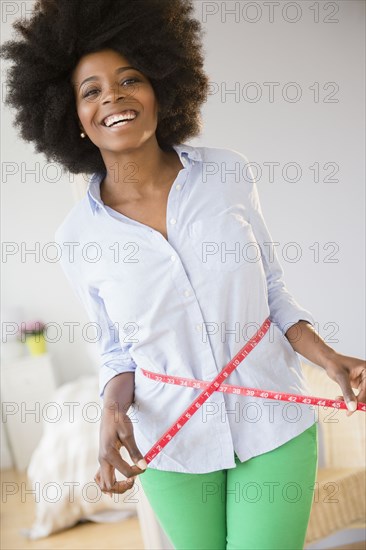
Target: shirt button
[
  {"x": 187, "y": 293},
  {"x": 198, "y": 328},
  {"x": 178, "y": 186},
  {"x": 172, "y": 258},
  {"x": 173, "y": 221}
]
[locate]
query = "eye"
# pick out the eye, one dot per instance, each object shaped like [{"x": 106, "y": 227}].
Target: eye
[
  {"x": 90, "y": 92},
  {"x": 93, "y": 91},
  {"x": 130, "y": 80}
]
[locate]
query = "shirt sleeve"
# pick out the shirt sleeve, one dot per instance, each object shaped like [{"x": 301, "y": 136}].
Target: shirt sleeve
[
  {"x": 285, "y": 311},
  {"x": 115, "y": 358}
]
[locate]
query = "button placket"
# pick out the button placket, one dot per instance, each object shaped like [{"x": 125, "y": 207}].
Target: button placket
[
  {"x": 181, "y": 278},
  {"x": 173, "y": 198}
]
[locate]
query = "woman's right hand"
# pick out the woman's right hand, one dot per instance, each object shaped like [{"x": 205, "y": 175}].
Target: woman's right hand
[{"x": 116, "y": 430}]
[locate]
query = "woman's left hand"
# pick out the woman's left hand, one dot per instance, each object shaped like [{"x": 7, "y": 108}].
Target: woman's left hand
[{"x": 348, "y": 372}]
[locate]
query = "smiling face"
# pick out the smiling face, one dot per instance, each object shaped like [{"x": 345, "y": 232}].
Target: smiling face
[{"x": 106, "y": 84}]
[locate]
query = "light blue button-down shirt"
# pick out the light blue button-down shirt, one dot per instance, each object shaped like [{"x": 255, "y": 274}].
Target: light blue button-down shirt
[{"x": 185, "y": 306}]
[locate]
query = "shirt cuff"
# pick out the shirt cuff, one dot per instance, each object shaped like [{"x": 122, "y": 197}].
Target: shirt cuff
[
  {"x": 110, "y": 369},
  {"x": 285, "y": 319}
]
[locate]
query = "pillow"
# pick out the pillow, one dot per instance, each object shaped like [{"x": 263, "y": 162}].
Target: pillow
[{"x": 63, "y": 465}]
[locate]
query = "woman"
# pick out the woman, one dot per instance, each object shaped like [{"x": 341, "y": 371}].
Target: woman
[{"x": 169, "y": 247}]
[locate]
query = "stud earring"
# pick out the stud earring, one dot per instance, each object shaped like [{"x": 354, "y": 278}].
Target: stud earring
[{"x": 82, "y": 135}]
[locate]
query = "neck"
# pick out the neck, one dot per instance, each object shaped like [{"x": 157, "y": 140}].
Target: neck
[{"x": 137, "y": 172}]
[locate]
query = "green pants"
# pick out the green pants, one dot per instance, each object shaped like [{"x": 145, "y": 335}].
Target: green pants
[{"x": 263, "y": 503}]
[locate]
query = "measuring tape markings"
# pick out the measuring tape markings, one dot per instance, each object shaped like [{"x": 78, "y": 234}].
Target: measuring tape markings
[
  {"x": 253, "y": 392},
  {"x": 217, "y": 385},
  {"x": 205, "y": 394}
]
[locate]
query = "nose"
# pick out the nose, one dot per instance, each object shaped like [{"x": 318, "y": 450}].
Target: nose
[
  {"x": 117, "y": 91},
  {"x": 113, "y": 94}
]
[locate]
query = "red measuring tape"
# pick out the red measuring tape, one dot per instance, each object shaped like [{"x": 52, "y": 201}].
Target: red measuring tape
[
  {"x": 253, "y": 392},
  {"x": 216, "y": 385},
  {"x": 205, "y": 394}
]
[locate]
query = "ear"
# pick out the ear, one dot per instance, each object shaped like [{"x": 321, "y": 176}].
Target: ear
[{"x": 80, "y": 125}]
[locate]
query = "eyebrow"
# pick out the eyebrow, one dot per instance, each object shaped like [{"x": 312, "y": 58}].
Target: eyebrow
[{"x": 118, "y": 71}]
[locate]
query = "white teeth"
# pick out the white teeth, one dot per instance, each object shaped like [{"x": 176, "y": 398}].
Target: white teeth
[{"x": 125, "y": 115}]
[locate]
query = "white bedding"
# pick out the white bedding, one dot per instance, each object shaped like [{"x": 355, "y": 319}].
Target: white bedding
[{"x": 63, "y": 466}]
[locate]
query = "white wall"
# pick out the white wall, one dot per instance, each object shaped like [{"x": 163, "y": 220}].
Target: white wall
[
  {"x": 305, "y": 132},
  {"x": 279, "y": 131}
]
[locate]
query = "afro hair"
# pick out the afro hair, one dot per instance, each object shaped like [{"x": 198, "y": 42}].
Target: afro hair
[{"x": 159, "y": 37}]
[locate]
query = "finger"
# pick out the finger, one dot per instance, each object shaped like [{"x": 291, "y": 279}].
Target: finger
[
  {"x": 349, "y": 396},
  {"x": 112, "y": 460},
  {"x": 98, "y": 481},
  {"x": 362, "y": 387},
  {"x": 97, "y": 477},
  {"x": 108, "y": 484},
  {"x": 109, "y": 480},
  {"x": 134, "y": 452},
  {"x": 122, "y": 486},
  {"x": 341, "y": 398}
]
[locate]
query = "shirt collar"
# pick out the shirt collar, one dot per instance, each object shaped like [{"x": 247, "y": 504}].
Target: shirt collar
[{"x": 93, "y": 190}]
